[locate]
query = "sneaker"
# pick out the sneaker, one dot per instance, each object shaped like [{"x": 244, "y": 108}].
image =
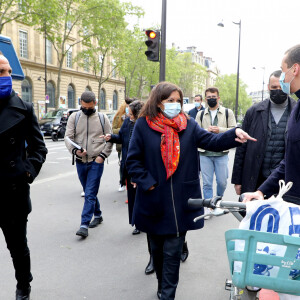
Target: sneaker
[
  {"x": 96, "y": 222},
  {"x": 121, "y": 188},
  {"x": 23, "y": 294},
  {"x": 82, "y": 194},
  {"x": 83, "y": 232}
]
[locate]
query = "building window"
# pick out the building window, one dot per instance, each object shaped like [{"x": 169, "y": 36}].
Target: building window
[
  {"x": 51, "y": 94},
  {"x": 71, "y": 96},
  {"x": 102, "y": 99},
  {"x": 26, "y": 90},
  {"x": 69, "y": 25},
  {"x": 86, "y": 63},
  {"x": 49, "y": 52},
  {"x": 115, "y": 101},
  {"x": 23, "y": 44},
  {"x": 114, "y": 69},
  {"x": 69, "y": 57}
]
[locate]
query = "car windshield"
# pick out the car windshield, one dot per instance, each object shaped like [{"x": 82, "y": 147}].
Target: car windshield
[{"x": 53, "y": 114}]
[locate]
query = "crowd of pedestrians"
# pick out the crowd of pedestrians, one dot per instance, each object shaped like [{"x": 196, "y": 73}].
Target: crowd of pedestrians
[{"x": 158, "y": 145}]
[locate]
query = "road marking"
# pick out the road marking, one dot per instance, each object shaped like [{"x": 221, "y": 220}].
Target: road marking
[{"x": 59, "y": 176}]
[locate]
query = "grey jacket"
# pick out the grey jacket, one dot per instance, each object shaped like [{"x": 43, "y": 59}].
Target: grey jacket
[{"x": 87, "y": 135}]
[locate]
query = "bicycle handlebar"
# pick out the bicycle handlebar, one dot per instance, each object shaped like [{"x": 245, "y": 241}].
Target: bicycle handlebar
[{"x": 212, "y": 203}]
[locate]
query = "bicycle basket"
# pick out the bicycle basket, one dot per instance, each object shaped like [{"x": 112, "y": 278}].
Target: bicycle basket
[{"x": 249, "y": 258}]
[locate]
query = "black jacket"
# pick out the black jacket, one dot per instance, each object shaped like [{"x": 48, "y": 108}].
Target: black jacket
[
  {"x": 249, "y": 157},
  {"x": 18, "y": 124},
  {"x": 193, "y": 112}
]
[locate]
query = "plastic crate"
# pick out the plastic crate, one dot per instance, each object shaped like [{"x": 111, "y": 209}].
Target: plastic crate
[{"x": 283, "y": 282}]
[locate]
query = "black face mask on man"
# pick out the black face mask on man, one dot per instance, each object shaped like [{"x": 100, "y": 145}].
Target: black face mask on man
[
  {"x": 212, "y": 102},
  {"x": 88, "y": 111},
  {"x": 278, "y": 96}
]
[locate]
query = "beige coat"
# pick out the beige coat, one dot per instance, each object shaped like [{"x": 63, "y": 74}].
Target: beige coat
[
  {"x": 87, "y": 134},
  {"x": 222, "y": 123}
]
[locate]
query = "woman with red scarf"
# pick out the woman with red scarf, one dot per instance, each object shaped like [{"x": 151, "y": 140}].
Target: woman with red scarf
[{"x": 161, "y": 161}]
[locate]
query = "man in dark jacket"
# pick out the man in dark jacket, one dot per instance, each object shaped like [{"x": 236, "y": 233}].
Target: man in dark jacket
[
  {"x": 18, "y": 168},
  {"x": 289, "y": 167},
  {"x": 198, "y": 106},
  {"x": 267, "y": 122}
]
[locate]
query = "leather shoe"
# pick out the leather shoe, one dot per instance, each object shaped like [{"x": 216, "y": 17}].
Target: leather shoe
[
  {"x": 185, "y": 252},
  {"x": 150, "y": 267},
  {"x": 135, "y": 231},
  {"x": 23, "y": 294},
  {"x": 96, "y": 222},
  {"x": 83, "y": 232}
]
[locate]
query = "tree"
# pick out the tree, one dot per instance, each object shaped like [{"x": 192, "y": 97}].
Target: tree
[
  {"x": 107, "y": 49},
  {"x": 227, "y": 88},
  {"x": 15, "y": 10},
  {"x": 58, "y": 19}
]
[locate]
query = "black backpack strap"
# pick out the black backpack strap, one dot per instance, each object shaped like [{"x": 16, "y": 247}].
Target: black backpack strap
[
  {"x": 226, "y": 113},
  {"x": 201, "y": 116},
  {"x": 102, "y": 121}
]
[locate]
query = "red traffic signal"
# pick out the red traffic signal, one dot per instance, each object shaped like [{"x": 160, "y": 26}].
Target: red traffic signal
[{"x": 152, "y": 43}]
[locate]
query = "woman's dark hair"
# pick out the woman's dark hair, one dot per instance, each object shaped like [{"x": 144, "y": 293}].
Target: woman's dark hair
[
  {"x": 160, "y": 92},
  {"x": 129, "y": 100},
  {"x": 136, "y": 107}
]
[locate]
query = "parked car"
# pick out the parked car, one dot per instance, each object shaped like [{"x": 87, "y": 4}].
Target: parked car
[
  {"x": 111, "y": 116},
  {"x": 51, "y": 119}
]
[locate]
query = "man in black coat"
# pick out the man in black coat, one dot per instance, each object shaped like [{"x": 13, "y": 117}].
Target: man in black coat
[
  {"x": 198, "y": 107},
  {"x": 18, "y": 167},
  {"x": 267, "y": 122},
  {"x": 289, "y": 167}
]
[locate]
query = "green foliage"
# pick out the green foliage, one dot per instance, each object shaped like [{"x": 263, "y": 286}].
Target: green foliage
[
  {"x": 227, "y": 88},
  {"x": 15, "y": 10}
]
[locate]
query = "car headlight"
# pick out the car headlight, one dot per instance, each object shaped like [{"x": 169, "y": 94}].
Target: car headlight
[{"x": 55, "y": 127}]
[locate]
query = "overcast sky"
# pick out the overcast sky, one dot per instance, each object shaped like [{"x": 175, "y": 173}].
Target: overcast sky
[{"x": 269, "y": 28}]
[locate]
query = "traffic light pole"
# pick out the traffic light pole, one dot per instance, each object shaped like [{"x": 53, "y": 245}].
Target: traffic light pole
[{"x": 162, "y": 70}]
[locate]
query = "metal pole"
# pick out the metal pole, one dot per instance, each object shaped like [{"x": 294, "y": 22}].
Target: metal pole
[
  {"x": 263, "y": 87},
  {"x": 45, "y": 68},
  {"x": 162, "y": 70},
  {"x": 238, "y": 74}
]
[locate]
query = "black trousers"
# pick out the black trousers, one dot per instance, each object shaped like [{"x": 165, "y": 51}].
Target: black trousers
[
  {"x": 15, "y": 231},
  {"x": 166, "y": 252}
]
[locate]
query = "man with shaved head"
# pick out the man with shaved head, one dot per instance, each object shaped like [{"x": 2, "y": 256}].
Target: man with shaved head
[{"x": 18, "y": 168}]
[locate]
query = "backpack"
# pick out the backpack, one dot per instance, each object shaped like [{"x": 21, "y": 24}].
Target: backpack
[
  {"x": 226, "y": 113},
  {"x": 100, "y": 115}
]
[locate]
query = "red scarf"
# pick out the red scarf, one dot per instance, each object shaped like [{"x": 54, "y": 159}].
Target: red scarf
[{"x": 170, "y": 145}]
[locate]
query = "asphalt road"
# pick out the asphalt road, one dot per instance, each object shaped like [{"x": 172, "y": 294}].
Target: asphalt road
[{"x": 110, "y": 263}]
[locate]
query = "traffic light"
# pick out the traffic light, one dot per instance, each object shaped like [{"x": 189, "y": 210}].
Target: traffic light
[{"x": 152, "y": 43}]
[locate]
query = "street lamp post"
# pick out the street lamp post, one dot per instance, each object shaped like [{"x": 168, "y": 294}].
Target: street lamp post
[
  {"x": 263, "y": 83},
  {"x": 238, "y": 68}
]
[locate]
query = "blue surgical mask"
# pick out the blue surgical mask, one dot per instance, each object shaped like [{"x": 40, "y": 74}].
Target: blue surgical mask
[
  {"x": 197, "y": 104},
  {"x": 285, "y": 86},
  {"x": 127, "y": 110},
  {"x": 172, "y": 109},
  {"x": 5, "y": 86}
]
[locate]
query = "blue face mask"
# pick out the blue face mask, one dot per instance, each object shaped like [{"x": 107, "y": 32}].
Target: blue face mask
[
  {"x": 127, "y": 110},
  {"x": 5, "y": 86},
  {"x": 172, "y": 109},
  {"x": 285, "y": 86},
  {"x": 197, "y": 104}
]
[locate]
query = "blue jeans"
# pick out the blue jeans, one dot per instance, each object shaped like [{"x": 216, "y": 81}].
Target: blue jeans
[
  {"x": 90, "y": 175},
  {"x": 209, "y": 166}
]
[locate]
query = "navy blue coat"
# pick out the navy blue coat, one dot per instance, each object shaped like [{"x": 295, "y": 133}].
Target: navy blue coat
[
  {"x": 155, "y": 212},
  {"x": 289, "y": 168},
  {"x": 193, "y": 112},
  {"x": 123, "y": 138}
]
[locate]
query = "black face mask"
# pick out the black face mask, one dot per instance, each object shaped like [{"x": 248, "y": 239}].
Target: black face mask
[
  {"x": 278, "y": 96},
  {"x": 212, "y": 102},
  {"x": 88, "y": 111}
]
